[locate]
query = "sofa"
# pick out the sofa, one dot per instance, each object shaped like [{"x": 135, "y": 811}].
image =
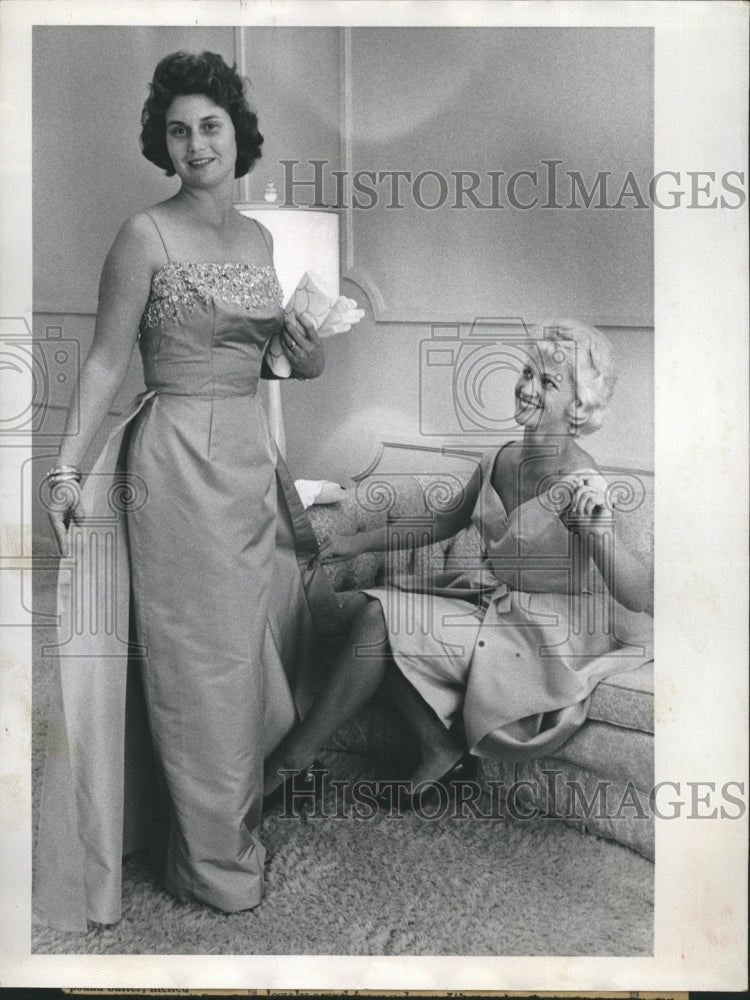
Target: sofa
[{"x": 600, "y": 779}]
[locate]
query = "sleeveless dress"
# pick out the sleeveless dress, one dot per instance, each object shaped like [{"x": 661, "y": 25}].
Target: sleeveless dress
[
  {"x": 509, "y": 646},
  {"x": 225, "y": 616}
]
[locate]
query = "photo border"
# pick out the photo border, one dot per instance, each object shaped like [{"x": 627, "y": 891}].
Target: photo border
[{"x": 701, "y": 321}]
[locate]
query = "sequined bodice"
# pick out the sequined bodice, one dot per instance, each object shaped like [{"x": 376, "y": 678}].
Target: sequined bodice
[{"x": 206, "y": 325}]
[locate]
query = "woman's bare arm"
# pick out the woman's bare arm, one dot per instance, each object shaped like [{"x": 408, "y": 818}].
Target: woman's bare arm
[
  {"x": 589, "y": 515},
  {"x": 123, "y": 292},
  {"x": 445, "y": 525}
]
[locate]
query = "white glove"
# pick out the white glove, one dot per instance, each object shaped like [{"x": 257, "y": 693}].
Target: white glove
[
  {"x": 328, "y": 315},
  {"x": 341, "y": 317}
]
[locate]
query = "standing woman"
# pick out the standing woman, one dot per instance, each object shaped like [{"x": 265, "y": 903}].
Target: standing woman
[{"x": 215, "y": 526}]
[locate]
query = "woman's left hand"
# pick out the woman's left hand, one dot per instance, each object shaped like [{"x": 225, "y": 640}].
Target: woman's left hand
[
  {"x": 302, "y": 346},
  {"x": 589, "y": 509}
]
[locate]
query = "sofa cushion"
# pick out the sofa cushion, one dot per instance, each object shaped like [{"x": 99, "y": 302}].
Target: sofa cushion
[
  {"x": 335, "y": 519},
  {"x": 616, "y": 811},
  {"x": 626, "y": 699},
  {"x": 602, "y": 766},
  {"x": 341, "y": 519},
  {"x": 372, "y": 501},
  {"x": 611, "y": 753}
]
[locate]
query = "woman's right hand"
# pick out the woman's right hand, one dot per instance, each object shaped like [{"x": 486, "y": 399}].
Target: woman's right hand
[
  {"x": 124, "y": 290},
  {"x": 64, "y": 506},
  {"x": 341, "y": 547}
]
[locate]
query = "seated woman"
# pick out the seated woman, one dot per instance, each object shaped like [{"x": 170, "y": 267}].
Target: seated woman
[{"x": 505, "y": 654}]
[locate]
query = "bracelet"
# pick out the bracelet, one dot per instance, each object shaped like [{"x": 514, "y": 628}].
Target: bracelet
[{"x": 65, "y": 473}]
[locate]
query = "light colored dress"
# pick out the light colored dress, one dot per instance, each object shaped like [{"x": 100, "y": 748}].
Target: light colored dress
[
  {"x": 511, "y": 644},
  {"x": 228, "y": 618}
]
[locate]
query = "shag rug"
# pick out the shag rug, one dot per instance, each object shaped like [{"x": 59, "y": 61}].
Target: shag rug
[
  {"x": 399, "y": 886},
  {"x": 388, "y": 886}
]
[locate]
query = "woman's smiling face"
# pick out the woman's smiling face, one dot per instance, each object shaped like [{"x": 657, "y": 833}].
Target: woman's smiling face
[
  {"x": 546, "y": 393},
  {"x": 200, "y": 140}
]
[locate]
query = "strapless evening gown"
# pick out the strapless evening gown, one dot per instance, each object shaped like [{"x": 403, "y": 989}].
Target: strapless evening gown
[{"x": 229, "y": 616}]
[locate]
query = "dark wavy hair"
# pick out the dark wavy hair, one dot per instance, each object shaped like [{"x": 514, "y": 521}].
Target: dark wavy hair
[{"x": 183, "y": 73}]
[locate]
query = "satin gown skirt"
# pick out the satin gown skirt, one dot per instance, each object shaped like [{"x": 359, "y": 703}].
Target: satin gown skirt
[
  {"x": 202, "y": 546},
  {"x": 206, "y": 583}
]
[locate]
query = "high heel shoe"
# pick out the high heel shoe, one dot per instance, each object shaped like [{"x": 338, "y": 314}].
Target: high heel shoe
[
  {"x": 426, "y": 793},
  {"x": 464, "y": 769},
  {"x": 299, "y": 783}
]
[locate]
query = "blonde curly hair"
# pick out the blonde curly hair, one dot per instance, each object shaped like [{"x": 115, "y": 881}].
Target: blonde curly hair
[{"x": 588, "y": 354}]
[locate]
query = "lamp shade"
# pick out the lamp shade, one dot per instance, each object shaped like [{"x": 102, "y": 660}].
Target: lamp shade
[{"x": 304, "y": 239}]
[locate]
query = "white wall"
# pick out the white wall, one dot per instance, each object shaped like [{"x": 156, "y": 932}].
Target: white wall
[
  {"x": 89, "y": 175},
  {"x": 459, "y": 99},
  {"x": 439, "y": 101},
  {"x": 370, "y": 391}
]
